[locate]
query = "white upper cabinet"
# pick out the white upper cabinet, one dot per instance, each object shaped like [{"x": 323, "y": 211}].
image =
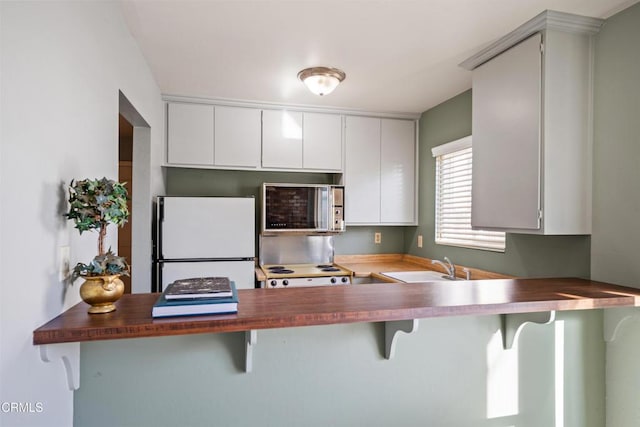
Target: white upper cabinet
[
  {"x": 252, "y": 138},
  {"x": 380, "y": 171},
  {"x": 213, "y": 136},
  {"x": 237, "y": 137},
  {"x": 297, "y": 140},
  {"x": 397, "y": 169},
  {"x": 531, "y": 128},
  {"x": 281, "y": 139},
  {"x": 190, "y": 134},
  {"x": 362, "y": 171},
  {"x": 322, "y": 141},
  {"x": 506, "y": 138}
]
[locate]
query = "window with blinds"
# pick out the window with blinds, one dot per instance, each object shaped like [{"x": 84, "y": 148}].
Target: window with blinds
[{"x": 453, "y": 200}]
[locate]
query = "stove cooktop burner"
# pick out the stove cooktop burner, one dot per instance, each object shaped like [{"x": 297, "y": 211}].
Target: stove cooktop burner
[
  {"x": 304, "y": 275},
  {"x": 281, "y": 271}
]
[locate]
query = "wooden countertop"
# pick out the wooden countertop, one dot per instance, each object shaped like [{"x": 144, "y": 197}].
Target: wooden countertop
[
  {"x": 283, "y": 308},
  {"x": 372, "y": 265}
]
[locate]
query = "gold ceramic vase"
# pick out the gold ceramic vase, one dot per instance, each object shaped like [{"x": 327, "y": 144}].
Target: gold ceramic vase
[{"x": 100, "y": 292}]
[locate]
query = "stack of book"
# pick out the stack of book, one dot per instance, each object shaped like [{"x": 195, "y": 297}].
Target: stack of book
[{"x": 198, "y": 295}]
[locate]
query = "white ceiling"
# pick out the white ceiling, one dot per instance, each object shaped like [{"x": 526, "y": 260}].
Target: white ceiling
[{"x": 399, "y": 56}]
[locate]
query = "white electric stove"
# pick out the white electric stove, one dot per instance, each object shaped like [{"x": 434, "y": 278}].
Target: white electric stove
[{"x": 297, "y": 275}]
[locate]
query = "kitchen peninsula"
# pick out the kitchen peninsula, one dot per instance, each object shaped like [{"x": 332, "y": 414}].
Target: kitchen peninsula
[
  {"x": 306, "y": 332},
  {"x": 267, "y": 309}
]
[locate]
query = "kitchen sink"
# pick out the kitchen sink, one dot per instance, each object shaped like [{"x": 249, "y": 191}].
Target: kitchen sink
[
  {"x": 416, "y": 276},
  {"x": 363, "y": 280}
]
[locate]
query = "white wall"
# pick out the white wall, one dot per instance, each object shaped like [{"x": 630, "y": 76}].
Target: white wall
[
  {"x": 63, "y": 65},
  {"x": 615, "y": 243}
]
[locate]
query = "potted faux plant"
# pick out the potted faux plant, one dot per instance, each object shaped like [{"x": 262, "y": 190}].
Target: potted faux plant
[{"x": 94, "y": 204}]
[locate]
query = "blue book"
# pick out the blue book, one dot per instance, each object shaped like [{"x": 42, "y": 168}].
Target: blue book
[{"x": 192, "y": 307}]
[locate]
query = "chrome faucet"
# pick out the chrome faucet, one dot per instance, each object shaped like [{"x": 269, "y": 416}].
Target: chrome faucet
[{"x": 448, "y": 267}]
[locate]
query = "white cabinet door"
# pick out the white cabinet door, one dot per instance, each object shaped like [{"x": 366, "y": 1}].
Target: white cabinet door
[
  {"x": 506, "y": 139},
  {"x": 281, "y": 139},
  {"x": 237, "y": 136},
  {"x": 531, "y": 134},
  {"x": 207, "y": 227},
  {"x": 322, "y": 141},
  {"x": 362, "y": 170},
  {"x": 397, "y": 166},
  {"x": 190, "y": 134}
]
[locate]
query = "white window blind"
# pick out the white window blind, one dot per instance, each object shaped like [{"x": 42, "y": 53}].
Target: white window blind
[{"x": 453, "y": 200}]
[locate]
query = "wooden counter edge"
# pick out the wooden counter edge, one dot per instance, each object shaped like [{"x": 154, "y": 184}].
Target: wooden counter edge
[
  {"x": 72, "y": 326},
  {"x": 189, "y": 327}
]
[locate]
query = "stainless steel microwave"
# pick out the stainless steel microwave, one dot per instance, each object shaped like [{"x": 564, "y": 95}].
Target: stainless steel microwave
[{"x": 308, "y": 208}]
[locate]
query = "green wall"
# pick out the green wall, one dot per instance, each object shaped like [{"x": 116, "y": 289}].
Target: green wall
[
  {"x": 525, "y": 255},
  {"x": 616, "y": 168},
  {"x": 205, "y": 182},
  {"x": 615, "y": 243},
  {"x": 451, "y": 372}
]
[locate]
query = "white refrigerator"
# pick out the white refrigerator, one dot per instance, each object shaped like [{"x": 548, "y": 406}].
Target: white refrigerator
[{"x": 204, "y": 236}]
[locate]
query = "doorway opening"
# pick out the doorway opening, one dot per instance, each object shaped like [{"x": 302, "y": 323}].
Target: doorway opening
[
  {"x": 136, "y": 149},
  {"x": 125, "y": 174}
]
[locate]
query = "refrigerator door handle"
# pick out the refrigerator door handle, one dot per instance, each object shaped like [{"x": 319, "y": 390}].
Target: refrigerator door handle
[
  {"x": 156, "y": 282},
  {"x": 159, "y": 246},
  {"x": 162, "y": 260}
]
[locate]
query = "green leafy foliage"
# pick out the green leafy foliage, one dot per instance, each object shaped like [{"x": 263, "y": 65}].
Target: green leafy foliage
[
  {"x": 102, "y": 265},
  {"x": 95, "y": 203}
]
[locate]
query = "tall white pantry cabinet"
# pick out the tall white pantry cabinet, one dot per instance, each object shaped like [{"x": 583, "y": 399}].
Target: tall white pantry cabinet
[
  {"x": 532, "y": 131},
  {"x": 380, "y": 171}
]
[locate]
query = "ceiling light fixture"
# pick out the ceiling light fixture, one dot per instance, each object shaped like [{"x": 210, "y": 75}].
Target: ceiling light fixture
[{"x": 321, "y": 80}]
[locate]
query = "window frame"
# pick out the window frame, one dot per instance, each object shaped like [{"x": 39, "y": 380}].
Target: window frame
[{"x": 474, "y": 238}]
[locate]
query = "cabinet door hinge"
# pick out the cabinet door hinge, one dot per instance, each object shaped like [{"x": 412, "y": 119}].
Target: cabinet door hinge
[
  {"x": 540, "y": 214},
  {"x": 541, "y": 47}
]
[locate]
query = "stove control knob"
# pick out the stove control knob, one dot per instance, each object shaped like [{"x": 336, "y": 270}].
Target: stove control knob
[
  {"x": 345, "y": 280},
  {"x": 333, "y": 280},
  {"x": 273, "y": 283},
  {"x": 285, "y": 282}
]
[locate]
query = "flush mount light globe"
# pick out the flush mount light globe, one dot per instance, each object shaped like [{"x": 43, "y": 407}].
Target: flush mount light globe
[{"x": 321, "y": 80}]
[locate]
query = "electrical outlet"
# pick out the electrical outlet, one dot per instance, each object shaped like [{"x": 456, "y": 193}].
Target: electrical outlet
[
  {"x": 419, "y": 240},
  {"x": 378, "y": 238},
  {"x": 64, "y": 259}
]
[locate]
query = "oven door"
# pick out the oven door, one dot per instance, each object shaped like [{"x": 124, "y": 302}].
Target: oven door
[{"x": 291, "y": 207}]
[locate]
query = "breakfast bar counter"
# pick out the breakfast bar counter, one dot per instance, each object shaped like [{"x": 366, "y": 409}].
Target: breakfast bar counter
[{"x": 382, "y": 302}]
